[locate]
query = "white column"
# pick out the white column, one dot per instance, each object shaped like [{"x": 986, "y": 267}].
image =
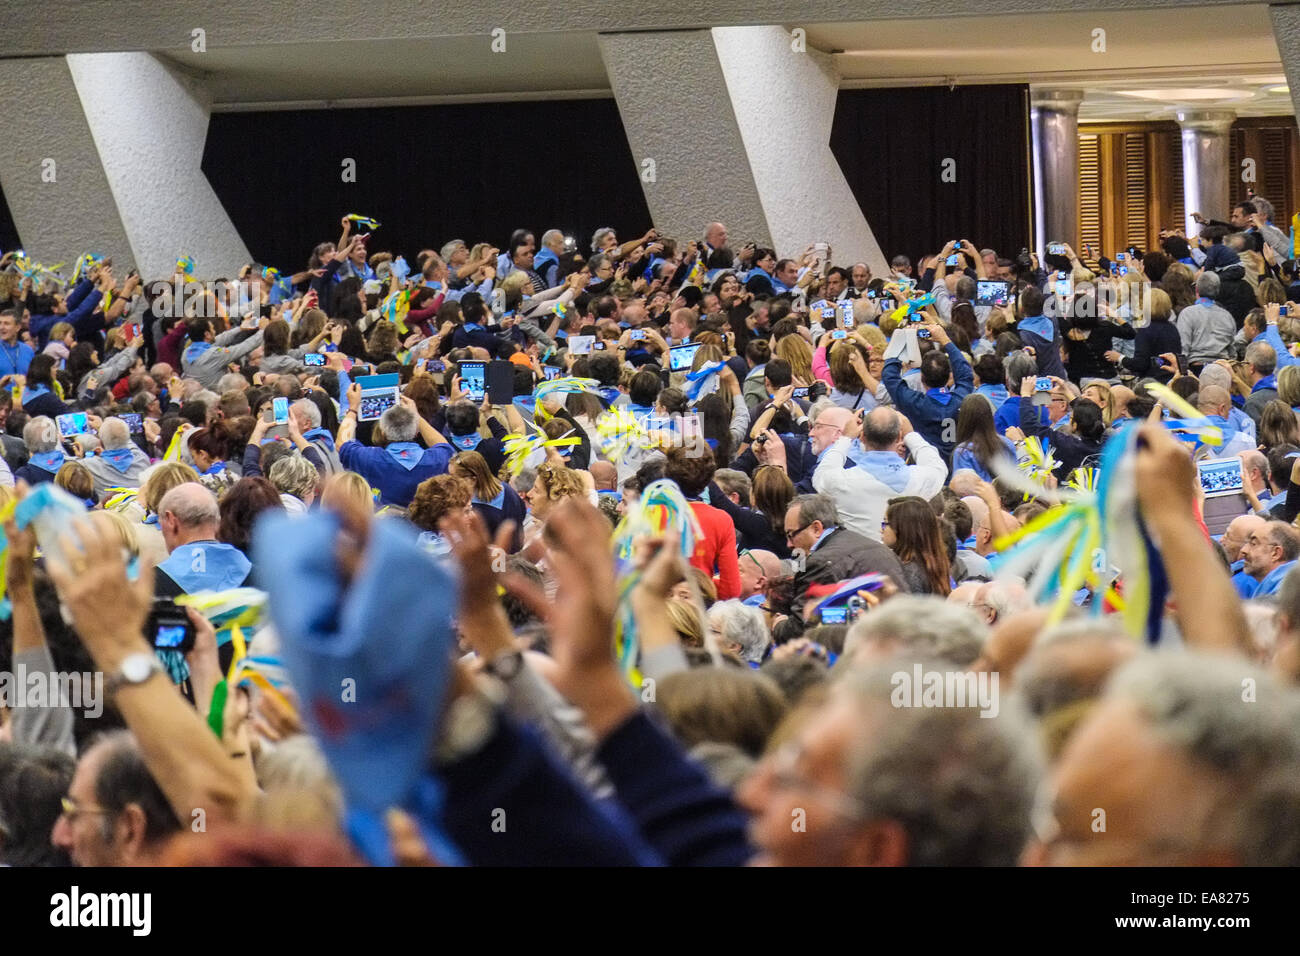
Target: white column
[
  {"x": 1054, "y": 129},
  {"x": 1205, "y": 163},
  {"x": 737, "y": 121},
  {"x": 149, "y": 124}
]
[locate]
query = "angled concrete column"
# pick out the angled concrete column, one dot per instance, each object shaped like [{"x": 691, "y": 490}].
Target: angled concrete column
[
  {"x": 1286, "y": 31},
  {"x": 700, "y": 104},
  {"x": 149, "y": 123},
  {"x": 1205, "y": 163},
  {"x": 46, "y": 136},
  {"x": 1054, "y": 129}
]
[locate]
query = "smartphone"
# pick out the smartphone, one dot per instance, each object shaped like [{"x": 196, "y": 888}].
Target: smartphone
[
  {"x": 835, "y": 615},
  {"x": 435, "y": 365},
  {"x": 1064, "y": 286},
  {"x": 280, "y": 411},
  {"x": 800, "y": 393},
  {"x": 313, "y": 358},
  {"x": 1282, "y": 310},
  {"x": 73, "y": 423},
  {"x": 887, "y": 305},
  {"x": 637, "y": 335},
  {"x": 581, "y": 344},
  {"x": 473, "y": 380},
  {"x": 1042, "y": 385},
  {"x": 827, "y": 313},
  {"x": 1056, "y": 248},
  {"x": 598, "y": 346},
  {"x": 1120, "y": 257},
  {"x": 132, "y": 330},
  {"x": 168, "y": 627},
  {"x": 134, "y": 423},
  {"x": 839, "y": 334},
  {"x": 953, "y": 259},
  {"x": 680, "y": 357},
  {"x": 846, "y": 313},
  {"x": 1182, "y": 364},
  {"x": 992, "y": 292},
  {"x": 500, "y": 379},
  {"x": 922, "y": 333},
  {"x": 1123, "y": 270},
  {"x": 550, "y": 372}
]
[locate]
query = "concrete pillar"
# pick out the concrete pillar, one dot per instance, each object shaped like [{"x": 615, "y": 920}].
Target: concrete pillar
[
  {"x": 53, "y": 181},
  {"x": 149, "y": 123},
  {"x": 1054, "y": 130},
  {"x": 1205, "y": 163},
  {"x": 737, "y": 123}
]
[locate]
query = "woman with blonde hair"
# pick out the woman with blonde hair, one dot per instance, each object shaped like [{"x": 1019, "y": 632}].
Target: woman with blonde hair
[
  {"x": 799, "y": 354},
  {"x": 347, "y": 487},
  {"x": 1288, "y": 385},
  {"x": 1100, "y": 394}
]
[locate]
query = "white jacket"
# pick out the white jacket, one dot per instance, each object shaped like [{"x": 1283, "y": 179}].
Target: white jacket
[{"x": 860, "y": 496}]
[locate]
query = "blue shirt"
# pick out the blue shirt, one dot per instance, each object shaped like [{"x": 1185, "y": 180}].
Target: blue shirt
[
  {"x": 1008, "y": 416},
  {"x": 396, "y": 483},
  {"x": 15, "y": 359}
]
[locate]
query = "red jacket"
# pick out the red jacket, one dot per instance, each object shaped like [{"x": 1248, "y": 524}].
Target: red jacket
[{"x": 715, "y": 552}]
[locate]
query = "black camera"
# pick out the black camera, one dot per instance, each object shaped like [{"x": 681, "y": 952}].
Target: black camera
[{"x": 169, "y": 627}]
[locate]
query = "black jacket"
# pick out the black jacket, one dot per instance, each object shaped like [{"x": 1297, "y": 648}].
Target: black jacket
[{"x": 844, "y": 554}]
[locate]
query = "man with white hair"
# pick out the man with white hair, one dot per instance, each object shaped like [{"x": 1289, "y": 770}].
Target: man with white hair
[
  {"x": 862, "y": 493},
  {"x": 1218, "y": 374},
  {"x": 319, "y": 448},
  {"x": 739, "y": 630},
  {"x": 1206, "y": 328},
  {"x": 41, "y": 436},
  {"x": 547, "y": 261},
  {"x": 917, "y": 625},
  {"x": 1186, "y": 773},
  {"x": 398, "y": 467},
  {"x": 121, "y": 463},
  {"x": 188, "y": 518}
]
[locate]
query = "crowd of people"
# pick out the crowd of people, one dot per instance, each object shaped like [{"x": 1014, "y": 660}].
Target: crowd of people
[{"x": 433, "y": 488}]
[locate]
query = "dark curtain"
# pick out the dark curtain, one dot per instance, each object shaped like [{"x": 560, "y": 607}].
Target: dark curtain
[
  {"x": 892, "y": 145},
  {"x": 429, "y": 174}
]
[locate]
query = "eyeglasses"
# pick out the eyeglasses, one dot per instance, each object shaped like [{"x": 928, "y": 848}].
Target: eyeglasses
[
  {"x": 746, "y": 554},
  {"x": 783, "y": 767},
  {"x": 72, "y": 811},
  {"x": 790, "y": 535}
]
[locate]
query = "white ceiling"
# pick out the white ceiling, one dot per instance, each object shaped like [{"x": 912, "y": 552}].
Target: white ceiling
[{"x": 1192, "y": 57}]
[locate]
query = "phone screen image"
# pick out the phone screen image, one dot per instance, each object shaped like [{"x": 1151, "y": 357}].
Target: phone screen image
[
  {"x": 1056, "y": 248},
  {"x": 953, "y": 259},
  {"x": 992, "y": 292},
  {"x": 280, "y": 410},
  {"x": 846, "y": 313},
  {"x": 1042, "y": 385},
  {"x": 1064, "y": 288},
  {"x": 922, "y": 333},
  {"x": 835, "y": 615},
  {"x": 436, "y": 365},
  {"x": 134, "y": 424},
  {"x": 581, "y": 344},
  {"x": 378, "y": 395},
  {"x": 800, "y": 393},
  {"x": 73, "y": 423},
  {"x": 551, "y": 372},
  {"x": 839, "y": 334},
  {"x": 887, "y": 305},
  {"x": 313, "y": 358},
  {"x": 637, "y": 335},
  {"x": 473, "y": 380},
  {"x": 681, "y": 356},
  {"x": 169, "y": 636},
  {"x": 1220, "y": 476},
  {"x": 828, "y": 313}
]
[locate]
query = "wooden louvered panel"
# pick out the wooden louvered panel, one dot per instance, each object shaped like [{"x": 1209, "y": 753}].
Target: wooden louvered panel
[
  {"x": 1272, "y": 168},
  {"x": 1237, "y": 190},
  {"x": 1090, "y": 195},
  {"x": 1134, "y": 229},
  {"x": 1172, "y": 148}
]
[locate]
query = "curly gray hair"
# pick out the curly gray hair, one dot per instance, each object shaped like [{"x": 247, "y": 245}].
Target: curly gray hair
[{"x": 923, "y": 625}]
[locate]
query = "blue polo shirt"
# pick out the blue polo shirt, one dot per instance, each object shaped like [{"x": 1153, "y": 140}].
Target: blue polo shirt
[{"x": 396, "y": 482}]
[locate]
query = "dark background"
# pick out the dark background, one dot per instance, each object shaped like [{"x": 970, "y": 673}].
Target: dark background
[
  {"x": 479, "y": 171},
  {"x": 891, "y": 145},
  {"x": 428, "y": 174}
]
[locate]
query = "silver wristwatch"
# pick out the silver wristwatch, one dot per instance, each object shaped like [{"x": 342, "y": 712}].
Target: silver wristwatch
[{"x": 136, "y": 669}]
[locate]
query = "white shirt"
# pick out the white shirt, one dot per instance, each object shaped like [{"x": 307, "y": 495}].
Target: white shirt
[{"x": 861, "y": 497}]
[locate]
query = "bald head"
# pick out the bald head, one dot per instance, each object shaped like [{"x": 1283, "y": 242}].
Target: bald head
[
  {"x": 880, "y": 429},
  {"x": 830, "y": 425},
  {"x": 758, "y": 569},
  {"x": 1122, "y": 395},
  {"x": 604, "y": 474},
  {"x": 1215, "y": 375},
  {"x": 1238, "y": 533},
  {"x": 1214, "y": 400}
]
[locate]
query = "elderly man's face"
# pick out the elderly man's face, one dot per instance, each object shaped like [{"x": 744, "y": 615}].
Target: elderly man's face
[
  {"x": 824, "y": 433},
  {"x": 1157, "y": 804},
  {"x": 1259, "y": 554},
  {"x": 1237, "y": 534},
  {"x": 717, "y": 235},
  {"x": 82, "y": 833},
  {"x": 861, "y": 276},
  {"x": 805, "y": 782}
]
